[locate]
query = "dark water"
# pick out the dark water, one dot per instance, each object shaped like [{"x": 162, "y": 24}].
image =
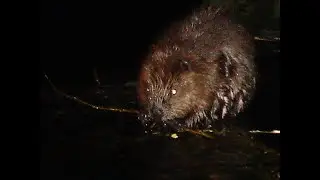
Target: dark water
[{"x": 79, "y": 142}]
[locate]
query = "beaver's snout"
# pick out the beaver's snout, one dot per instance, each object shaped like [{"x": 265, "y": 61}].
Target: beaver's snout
[{"x": 157, "y": 113}]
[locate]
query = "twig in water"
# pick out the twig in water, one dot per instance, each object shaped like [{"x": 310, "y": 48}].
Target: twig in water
[
  {"x": 265, "y": 132},
  {"x": 266, "y": 39},
  {"x": 88, "y": 104}
]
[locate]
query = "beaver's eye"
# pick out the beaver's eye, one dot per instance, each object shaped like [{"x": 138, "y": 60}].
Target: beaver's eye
[
  {"x": 184, "y": 65},
  {"x": 173, "y": 91}
]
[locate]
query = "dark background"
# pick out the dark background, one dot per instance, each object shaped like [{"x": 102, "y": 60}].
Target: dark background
[{"x": 76, "y": 36}]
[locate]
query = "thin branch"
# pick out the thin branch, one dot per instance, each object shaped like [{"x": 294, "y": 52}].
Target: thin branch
[
  {"x": 266, "y": 39},
  {"x": 85, "y": 103},
  {"x": 265, "y": 132}
]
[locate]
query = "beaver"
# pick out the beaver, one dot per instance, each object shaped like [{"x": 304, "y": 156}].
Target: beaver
[{"x": 200, "y": 71}]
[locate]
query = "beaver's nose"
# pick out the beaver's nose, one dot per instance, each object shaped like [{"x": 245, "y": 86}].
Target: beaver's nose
[{"x": 157, "y": 113}]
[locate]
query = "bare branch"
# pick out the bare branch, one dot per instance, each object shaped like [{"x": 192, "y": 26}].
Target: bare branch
[
  {"x": 266, "y": 39},
  {"x": 85, "y": 103},
  {"x": 265, "y": 132}
]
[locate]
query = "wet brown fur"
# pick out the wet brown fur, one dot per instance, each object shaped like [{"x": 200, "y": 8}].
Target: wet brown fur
[{"x": 208, "y": 61}]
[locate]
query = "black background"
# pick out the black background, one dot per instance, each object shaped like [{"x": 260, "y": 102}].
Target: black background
[{"x": 76, "y": 36}]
